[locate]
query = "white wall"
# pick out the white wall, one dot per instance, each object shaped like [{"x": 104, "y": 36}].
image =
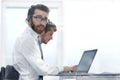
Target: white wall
[
  {"x": 0, "y": 36},
  {"x": 90, "y": 24}
]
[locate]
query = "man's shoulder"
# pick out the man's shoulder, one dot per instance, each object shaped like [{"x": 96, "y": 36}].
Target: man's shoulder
[{"x": 25, "y": 38}]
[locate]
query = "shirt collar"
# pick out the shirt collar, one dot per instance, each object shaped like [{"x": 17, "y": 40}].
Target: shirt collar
[{"x": 32, "y": 32}]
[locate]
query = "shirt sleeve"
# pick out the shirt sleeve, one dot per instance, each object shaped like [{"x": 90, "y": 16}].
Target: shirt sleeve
[{"x": 32, "y": 54}]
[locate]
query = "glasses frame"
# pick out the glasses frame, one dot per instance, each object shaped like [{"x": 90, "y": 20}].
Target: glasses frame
[{"x": 40, "y": 19}]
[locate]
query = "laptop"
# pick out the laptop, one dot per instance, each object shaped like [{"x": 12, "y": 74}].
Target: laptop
[{"x": 84, "y": 64}]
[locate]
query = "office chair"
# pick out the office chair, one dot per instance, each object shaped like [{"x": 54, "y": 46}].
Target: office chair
[
  {"x": 11, "y": 73},
  {"x": 2, "y": 73},
  {"x": 0, "y": 76}
]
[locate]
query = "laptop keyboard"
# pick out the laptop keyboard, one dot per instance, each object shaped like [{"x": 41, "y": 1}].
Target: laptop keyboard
[{"x": 71, "y": 73}]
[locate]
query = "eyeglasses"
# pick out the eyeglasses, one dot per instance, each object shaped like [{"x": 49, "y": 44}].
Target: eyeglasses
[{"x": 39, "y": 18}]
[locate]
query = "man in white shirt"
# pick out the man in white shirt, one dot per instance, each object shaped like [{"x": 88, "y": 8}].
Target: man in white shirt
[
  {"x": 47, "y": 35},
  {"x": 27, "y": 54}
]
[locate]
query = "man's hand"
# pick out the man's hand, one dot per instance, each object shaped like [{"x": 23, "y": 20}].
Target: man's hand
[
  {"x": 74, "y": 68},
  {"x": 67, "y": 69}
]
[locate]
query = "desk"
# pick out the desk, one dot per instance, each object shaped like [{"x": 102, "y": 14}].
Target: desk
[{"x": 91, "y": 77}]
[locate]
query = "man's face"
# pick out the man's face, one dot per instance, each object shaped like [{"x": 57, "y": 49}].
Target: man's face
[
  {"x": 47, "y": 36},
  {"x": 39, "y": 21}
]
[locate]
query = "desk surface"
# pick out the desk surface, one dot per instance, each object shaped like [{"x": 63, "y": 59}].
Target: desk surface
[{"x": 89, "y": 74}]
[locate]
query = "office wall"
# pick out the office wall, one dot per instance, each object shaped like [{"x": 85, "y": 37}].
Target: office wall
[
  {"x": 0, "y": 35},
  {"x": 90, "y": 24},
  {"x": 1, "y": 54}
]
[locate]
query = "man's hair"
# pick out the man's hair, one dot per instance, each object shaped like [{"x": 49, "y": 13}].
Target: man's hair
[
  {"x": 49, "y": 26},
  {"x": 33, "y": 8}
]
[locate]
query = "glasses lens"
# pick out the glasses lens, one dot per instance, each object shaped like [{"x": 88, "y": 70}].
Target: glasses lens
[{"x": 39, "y": 18}]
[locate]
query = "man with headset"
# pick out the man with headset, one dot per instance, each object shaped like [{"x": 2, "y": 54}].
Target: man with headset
[{"x": 27, "y": 53}]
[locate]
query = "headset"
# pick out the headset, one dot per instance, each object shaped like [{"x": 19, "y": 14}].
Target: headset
[
  {"x": 28, "y": 19},
  {"x": 30, "y": 13}
]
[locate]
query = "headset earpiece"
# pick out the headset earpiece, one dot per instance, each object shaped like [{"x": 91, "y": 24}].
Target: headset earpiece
[{"x": 28, "y": 19}]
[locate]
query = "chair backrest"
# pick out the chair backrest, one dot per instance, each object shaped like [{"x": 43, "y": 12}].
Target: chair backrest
[
  {"x": 2, "y": 73},
  {"x": 11, "y": 73},
  {"x": 0, "y": 76}
]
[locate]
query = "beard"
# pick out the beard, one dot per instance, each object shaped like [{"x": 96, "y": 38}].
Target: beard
[{"x": 38, "y": 29}]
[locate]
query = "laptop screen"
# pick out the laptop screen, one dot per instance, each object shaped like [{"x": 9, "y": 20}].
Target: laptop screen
[{"x": 86, "y": 60}]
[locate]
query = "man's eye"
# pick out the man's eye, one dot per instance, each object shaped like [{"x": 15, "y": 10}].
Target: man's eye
[{"x": 38, "y": 18}]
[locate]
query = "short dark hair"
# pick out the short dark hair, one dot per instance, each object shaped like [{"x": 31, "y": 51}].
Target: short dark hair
[
  {"x": 33, "y": 8},
  {"x": 49, "y": 26}
]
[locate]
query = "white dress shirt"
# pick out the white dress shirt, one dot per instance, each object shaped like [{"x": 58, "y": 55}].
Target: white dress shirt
[{"x": 27, "y": 57}]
